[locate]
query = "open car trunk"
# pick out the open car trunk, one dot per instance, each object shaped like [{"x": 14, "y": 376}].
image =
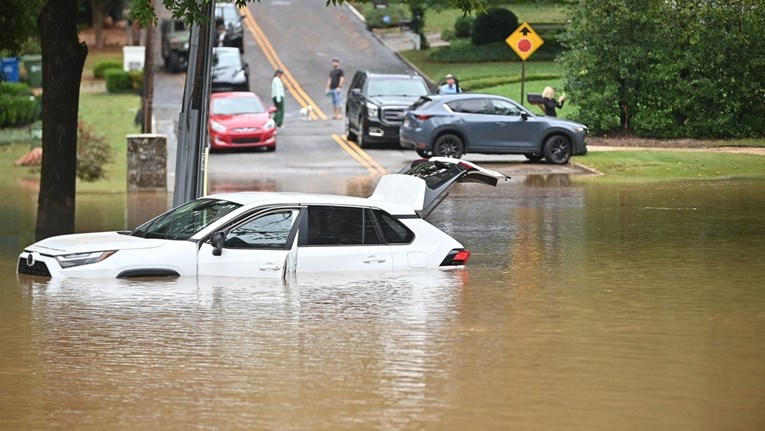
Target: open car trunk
[{"x": 426, "y": 182}]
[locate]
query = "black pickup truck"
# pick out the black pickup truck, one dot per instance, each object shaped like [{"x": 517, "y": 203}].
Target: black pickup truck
[{"x": 375, "y": 105}]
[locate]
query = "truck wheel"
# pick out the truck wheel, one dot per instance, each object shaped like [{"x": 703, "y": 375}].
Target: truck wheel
[{"x": 174, "y": 62}]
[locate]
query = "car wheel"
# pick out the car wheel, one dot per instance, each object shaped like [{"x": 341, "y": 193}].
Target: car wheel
[
  {"x": 449, "y": 146},
  {"x": 174, "y": 62},
  {"x": 557, "y": 149},
  {"x": 350, "y": 135},
  {"x": 360, "y": 139},
  {"x": 535, "y": 158},
  {"x": 423, "y": 153}
]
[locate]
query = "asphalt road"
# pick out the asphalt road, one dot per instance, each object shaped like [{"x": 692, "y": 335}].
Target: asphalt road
[{"x": 301, "y": 37}]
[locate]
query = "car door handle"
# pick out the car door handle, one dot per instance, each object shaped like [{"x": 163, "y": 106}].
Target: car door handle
[
  {"x": 374, "y": 259},
  {"x": 270, "y": 267},
  {"x": 500, "y": 124}
]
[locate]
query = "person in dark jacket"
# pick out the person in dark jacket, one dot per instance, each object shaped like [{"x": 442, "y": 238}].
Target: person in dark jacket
[{"x": 550, "y": 103}]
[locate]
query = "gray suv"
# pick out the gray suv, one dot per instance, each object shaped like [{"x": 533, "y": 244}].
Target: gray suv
[
  {"x": 375, "y": 105},
  {"x": 455, "y": 124}
]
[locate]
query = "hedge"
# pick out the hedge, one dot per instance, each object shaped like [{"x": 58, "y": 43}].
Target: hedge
[{"x": 99, "y": 70}]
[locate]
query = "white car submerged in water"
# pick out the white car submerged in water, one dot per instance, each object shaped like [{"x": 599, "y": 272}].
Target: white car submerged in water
[{"x": 270, "y": 234}]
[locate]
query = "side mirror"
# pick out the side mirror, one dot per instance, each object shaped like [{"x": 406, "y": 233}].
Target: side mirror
[
  {"x": 524, "y": 115},
  {"x": 356, "y": 92},
  {"x": 216, "y": 240},
  {"x": 272, "y": 110}
]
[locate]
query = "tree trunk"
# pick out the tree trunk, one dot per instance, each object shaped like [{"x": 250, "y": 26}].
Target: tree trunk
[
  {"x": 63, "y": 57},
  {"x": 97, "y": 14}
]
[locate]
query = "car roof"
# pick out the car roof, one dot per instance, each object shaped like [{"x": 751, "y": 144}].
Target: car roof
[
  {"x": 399, "y": 74},
  {"x": 297, "y": 198}
]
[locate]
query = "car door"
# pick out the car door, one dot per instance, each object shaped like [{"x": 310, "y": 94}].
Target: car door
[
  {"x": 514, "y": 131},
  {"x": 472, "y": 117},
  {"x": 259, "y": 245},
  {"x": 340, "y": 239},
  {"x": 354, "y": 100}
]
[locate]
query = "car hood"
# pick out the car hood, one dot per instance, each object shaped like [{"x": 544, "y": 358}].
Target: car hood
[
  {"x": 425, "y": 183},
  {"x": 394, "y": 100},
  {"x": 241, "y": 120},
  {"x": 87, "y": 242}
]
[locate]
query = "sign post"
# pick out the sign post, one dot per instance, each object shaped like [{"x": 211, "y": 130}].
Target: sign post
[{"x": 524, "y": 41}]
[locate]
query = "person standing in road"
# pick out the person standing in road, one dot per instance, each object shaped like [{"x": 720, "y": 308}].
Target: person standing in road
[
  {"x": 549, "y": 103},
  {"x": 451, "y": 86},
  {"x": 335, "y": 88},
  {"x": 277, "y": 95}
]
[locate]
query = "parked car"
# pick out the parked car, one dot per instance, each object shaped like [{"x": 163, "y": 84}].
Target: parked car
[
  {"x": 175, "y": 44},
  {"x": 375, "y": 105},
  {"x": 456, "y": 124},
  {"x": 228, "y": 15},
  {"x": 240, "y": 120},
  {"x": 230, "y": 72},
  {"x": 271, "y": 234}
]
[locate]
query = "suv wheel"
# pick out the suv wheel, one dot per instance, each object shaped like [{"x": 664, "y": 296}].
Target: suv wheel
[
  {"x": 174, "y": 62},
  {"x": 360, "y": 138},
  {"x": 449, "y": 146},
  {"x": 350, "y": 135},
  {"x": 423, "y": 153},
  {"x": 557, "y": 149}
]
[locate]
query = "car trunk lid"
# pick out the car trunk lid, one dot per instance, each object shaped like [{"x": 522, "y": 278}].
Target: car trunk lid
[{"x": 426, "y": 182}]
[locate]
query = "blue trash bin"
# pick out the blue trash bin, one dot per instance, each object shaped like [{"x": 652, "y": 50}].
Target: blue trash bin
[{"x": 10, "y": 69}]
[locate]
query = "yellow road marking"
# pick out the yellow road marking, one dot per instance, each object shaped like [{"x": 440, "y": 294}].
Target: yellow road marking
[{"x": 360, "y": 155}]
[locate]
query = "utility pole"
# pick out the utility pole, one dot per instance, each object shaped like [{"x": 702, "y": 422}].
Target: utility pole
[
  {"x": 192, "y": 121},
  {"x": 147, "y": 98}
]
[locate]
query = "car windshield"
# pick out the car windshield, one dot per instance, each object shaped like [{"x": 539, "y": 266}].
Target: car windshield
[
  {"x": 397, "y": 87},
  {"x": 227, "y": 59},
  {"x": 227, "y": 14},
  {"x": 183, "y": 222},
  {"x": 237, "y": 105}
]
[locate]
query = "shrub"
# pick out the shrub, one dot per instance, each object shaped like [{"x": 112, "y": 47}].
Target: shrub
[
  {"x": 463, "y": 26},
  {"x": 99, "y": 70},
  {"x": 493, "y": 26},
  {"x": 118, "y": 81},
  {"x": 18, "y": 110},
  {"x": 93, "y": 153},
  {"x": 389, "y": 16},
  {"x": 15, "y": 88},
  {"x": 136, "y": 80}
]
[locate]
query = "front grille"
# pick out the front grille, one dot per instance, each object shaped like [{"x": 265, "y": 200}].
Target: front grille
[
  {"x": 253, "y": 140},
  {"x": 393, "y": 115},
  {"x": 39, "y": 268}
]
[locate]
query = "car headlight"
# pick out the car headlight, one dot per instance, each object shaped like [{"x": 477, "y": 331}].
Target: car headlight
[
  {"x": 79, "y": 259},
  {"x": 270, "y": 124},
  {"x": 217, "y": 126},
  {"x": 372, "y": 110}
]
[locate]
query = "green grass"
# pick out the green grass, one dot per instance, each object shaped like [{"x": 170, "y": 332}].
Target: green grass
[{"x": 647, "y": 165}]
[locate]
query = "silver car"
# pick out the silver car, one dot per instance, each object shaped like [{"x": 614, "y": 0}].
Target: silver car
[{"x": 455, "y": 124}]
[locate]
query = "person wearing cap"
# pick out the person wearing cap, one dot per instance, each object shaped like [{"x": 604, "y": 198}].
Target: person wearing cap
[
  {"x": 451, "y": 87},
  {"x": 335, "y": 88},
  {"x": 277, "y": 95}
]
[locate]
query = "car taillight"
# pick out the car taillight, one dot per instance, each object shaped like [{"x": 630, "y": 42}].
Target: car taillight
[
  {"x": 456, "y": 257},
  {"x": 422, "y": 117}
]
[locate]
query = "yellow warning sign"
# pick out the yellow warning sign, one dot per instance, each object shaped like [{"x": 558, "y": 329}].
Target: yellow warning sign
[{"x": 524, "y": 41}]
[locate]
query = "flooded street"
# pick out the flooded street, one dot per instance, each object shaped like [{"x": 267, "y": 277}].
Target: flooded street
[{"x": 585, "y": 306}]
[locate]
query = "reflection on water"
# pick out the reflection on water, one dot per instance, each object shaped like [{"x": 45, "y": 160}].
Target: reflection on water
[{"x": 585, "y": 306}]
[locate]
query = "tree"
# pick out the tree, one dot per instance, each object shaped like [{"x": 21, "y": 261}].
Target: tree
[
  {"x": 668, "y": 69},
  {"x": 63, "y": 56}
]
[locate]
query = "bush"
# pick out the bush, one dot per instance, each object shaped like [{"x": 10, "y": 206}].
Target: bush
[
  {"x": 99, "y": 70},
  {"x": 118, "y": 81},
  {"x": 464, "y": 52},
  {"x": 15, "y": 89},
  {"x": 18, "y": 110},
  {"x": 93, "y": 153},
  {"x": 493, "y": 26},
  {"x": 136, "y": 80},
  {"x": 463, "y": 26},
  {"x": 389, "y": 16}
]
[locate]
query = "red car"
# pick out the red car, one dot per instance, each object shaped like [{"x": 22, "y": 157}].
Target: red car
[{"x": 240, "y": 120}]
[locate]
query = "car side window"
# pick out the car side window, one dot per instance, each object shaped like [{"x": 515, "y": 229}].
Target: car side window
[
  {"x": 502, "y": 107},
  {"x": 393, "y": 230},
  {"x": 340, "y": 226},
  {"x": 267, "y": 231},
  {"x": 473, "y": 106}
]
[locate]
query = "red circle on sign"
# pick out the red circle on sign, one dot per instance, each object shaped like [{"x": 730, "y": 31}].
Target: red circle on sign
[{"x": 524, "y": 45}]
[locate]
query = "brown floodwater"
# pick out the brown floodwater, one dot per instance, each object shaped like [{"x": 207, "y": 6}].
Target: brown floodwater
[{"x": 585, "y": 306}]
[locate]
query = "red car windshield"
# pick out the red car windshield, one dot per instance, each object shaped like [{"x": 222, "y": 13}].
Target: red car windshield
[{"x": 237, "y": 105}]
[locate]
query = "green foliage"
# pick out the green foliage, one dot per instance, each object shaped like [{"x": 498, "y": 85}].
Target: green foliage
[
  {"x": 18, "y": 19},
  {"x": 389, "y": 16},
  {"x": 18, "y": 105},
  {"x": 462, "y": 51},
  {"x": 463, "y": 26},
  {"x": 493, "y": 26},
  {"x": 692, "y": 70},
  {"x": 93, "y": 153},
  {"x": 118, "y": 81},
  {"x": 101, "y": 67}
]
